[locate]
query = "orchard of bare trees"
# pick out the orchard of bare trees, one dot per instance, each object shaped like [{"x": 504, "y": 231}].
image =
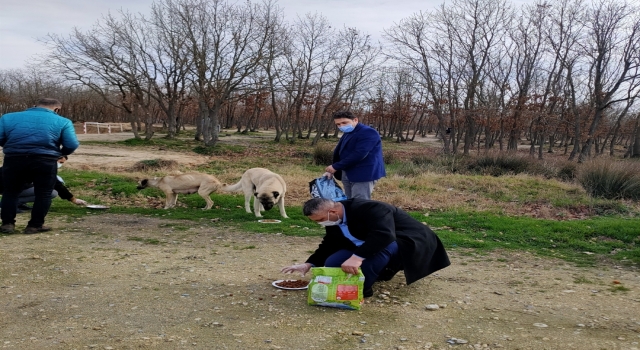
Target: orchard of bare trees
[{"x": 555, "y": 76}]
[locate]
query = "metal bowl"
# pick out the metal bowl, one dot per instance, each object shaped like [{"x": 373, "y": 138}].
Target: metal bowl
[{"x": 97, "y": 206}]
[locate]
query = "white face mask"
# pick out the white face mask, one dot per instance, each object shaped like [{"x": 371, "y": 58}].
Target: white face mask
[
  {"x": 59, "y": 165},
  {"x": 329, "y": 222}
]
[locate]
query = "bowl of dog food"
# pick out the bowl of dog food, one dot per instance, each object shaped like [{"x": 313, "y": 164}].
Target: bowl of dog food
[{"x": 291, "y": 284}]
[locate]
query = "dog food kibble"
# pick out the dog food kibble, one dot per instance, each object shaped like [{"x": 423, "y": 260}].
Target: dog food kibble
[{"x": 293, "y": 284}]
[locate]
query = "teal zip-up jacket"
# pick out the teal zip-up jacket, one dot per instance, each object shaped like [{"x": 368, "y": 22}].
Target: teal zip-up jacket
[{"x": 37, "y": 131}]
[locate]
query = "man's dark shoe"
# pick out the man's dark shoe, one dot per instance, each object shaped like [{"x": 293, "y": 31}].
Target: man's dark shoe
[
  {"x": 30, "y": 229},
  {"x": 24, "y": 207},
  {"x": 7, "y": 228},
  {"x": 367, "y": 293}
]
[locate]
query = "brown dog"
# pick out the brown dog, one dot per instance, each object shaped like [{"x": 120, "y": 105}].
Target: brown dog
[{"x": 172, "y": 185}]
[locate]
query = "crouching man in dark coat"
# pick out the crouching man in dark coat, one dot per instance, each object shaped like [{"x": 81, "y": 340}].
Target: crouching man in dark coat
[{"x": 377, "y": 237}]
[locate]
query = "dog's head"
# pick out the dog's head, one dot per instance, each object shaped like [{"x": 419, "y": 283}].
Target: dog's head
[
  {"x": 267, "y": 199},
  {"x": 142, "y": 184}
]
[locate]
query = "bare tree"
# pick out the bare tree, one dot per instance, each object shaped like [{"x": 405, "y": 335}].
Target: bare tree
[
  {"x": 228, "y": 44},
  {"x": 104, "y": 61},
  {"x": 613, "y": 51},
  {"x": 414, "y": 45},
  {"x": 351, "y": 63},
  {"x": 476, "y": 27},
  {"x": 167, "y": 61},
  {"x": 528, "y": 39}
]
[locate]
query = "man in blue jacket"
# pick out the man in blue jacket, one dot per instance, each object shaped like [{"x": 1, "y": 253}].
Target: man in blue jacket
[
  {"x": 357, "y": 159},
  {"x": 32, "y": 142}
]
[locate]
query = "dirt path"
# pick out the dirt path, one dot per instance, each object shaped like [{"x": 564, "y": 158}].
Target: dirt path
[
  {"x": 116, "y": 157},
  {"x": 109, "y": 281}
]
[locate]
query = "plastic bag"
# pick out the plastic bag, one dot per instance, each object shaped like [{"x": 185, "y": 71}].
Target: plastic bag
[
  {"x": 324, "y": 187},
  {"x": 332, "y": 287}
]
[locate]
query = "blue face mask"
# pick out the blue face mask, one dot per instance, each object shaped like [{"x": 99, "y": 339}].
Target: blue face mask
[{"x": 346, "y": 128}]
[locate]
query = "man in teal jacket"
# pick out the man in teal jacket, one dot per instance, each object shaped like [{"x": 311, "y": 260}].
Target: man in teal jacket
[
  {"x": 32, "y": 142},
  {"x": 357, "y": 159}
]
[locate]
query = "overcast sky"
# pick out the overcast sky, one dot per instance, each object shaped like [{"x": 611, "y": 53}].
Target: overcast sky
[{"x": 23, "y": 22}]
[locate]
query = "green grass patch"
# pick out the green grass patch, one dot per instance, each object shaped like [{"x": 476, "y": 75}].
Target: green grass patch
[
  {"x": 582, "y": 280},
  {"x": 619, "y": 288},
  {"x": 152, "y": 241},
  {"x": 582, "y": 241},
  {"x": 244, "y": 248}
]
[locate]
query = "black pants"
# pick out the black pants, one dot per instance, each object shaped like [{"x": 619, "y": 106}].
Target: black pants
[{"x": 23, "y": 169}]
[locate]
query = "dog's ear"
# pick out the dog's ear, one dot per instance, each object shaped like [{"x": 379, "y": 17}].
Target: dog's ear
[
  {"x": 275, "y": 194},
  {"x": 143, "y": 184}
]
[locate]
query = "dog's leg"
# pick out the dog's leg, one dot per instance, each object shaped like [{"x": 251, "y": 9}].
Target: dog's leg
[
  {"x": 256, "y": 207},
  {"x": 170, "y": 201},
  {"x": 281, "y": 207},
  {"x": 205, "y": 194},
  {"x": 247, "y": 201}
]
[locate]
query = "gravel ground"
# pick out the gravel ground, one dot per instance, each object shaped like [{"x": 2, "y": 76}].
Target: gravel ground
[{"x": 109, "y": 281}]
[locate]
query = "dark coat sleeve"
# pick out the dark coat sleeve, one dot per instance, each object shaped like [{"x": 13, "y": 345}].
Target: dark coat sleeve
[
  {"x": 333, "y": 241},
  {"x": 63, "y": 191}
]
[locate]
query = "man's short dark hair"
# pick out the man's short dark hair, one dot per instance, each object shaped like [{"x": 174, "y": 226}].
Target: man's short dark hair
[
  {"x": 343, "y": 114},
  {"x": 49, "y": 102},
  {"x": 314, "y": 205}
]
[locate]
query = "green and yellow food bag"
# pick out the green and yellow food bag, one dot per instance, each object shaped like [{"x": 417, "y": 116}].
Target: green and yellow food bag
[{"x": 332, "y": 287}]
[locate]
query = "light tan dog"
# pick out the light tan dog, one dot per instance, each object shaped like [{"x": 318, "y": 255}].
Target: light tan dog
[
  {"x": 267, "y": 187},
  {"x": 172, "y": 185}
]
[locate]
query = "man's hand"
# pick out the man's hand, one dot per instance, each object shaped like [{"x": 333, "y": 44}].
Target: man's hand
[
  {"x": 352, "y": 264},
  {"x": 330, "y": 169},
  {"x": 79, "y": 201},
  {"x": 301, "y": 268}
]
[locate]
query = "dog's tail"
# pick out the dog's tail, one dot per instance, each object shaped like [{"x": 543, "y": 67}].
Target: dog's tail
[{"x": 232, "y": 188}]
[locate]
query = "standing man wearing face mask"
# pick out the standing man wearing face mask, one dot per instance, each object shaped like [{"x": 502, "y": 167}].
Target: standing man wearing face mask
[
  {"x": 357, "y": 159},
  {"x": 377, "y": 237},
  {"x": 32, "y": 142}
]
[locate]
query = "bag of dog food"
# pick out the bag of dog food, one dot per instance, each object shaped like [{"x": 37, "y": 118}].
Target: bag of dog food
[
  {"x": 324, "y": 187},
  {"x": 332, "y": 287}
]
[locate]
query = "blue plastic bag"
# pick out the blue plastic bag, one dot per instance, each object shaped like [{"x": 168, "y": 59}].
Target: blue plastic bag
[{"x": 324, "y": 187}]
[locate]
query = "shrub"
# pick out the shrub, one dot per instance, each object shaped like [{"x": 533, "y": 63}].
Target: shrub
[
  {"x": 500, "y": 164},
  {"x": 453, "y": 163},
  {"x": 388, "y": 158},
  {"x": 409, "y": 169},
  {"x": 219, "y": 150},
  {"x": 155, "y": 164},
  {"x": 567, "y": 171},
  {"x": 609, "y": 207},
  {"x": 421, "y": 159},
  {"x": 611, "y": 180},
  {"x": 322, "y": 154}
]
